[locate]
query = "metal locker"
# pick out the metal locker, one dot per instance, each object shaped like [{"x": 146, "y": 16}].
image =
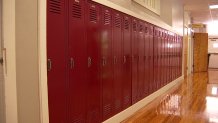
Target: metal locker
[
  {"x": 141, "y": 63},
  {"x": 151, "y": 58},
  {"x": 147, "y": 59},
  {"x": 106, "y": 62},
  {"x": 134, "y": 44},
  {"x": 93, "y": 82},
  {"x": 156, "y": 36},
  {"x": 77, "y": 62},
  {"x": 57, "y": 61},
  {"x": 126, "y": 76},
  {"x": 117, "y": 59},
  {"x": 159, "y": 59}
]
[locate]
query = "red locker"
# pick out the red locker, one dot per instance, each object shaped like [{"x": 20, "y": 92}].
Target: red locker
[
  {"x": 117, "y": 60},
  {"x": 159, "y": 59},
  {"x": 146, "y": 61},
  {"x": 126, "y": 76},
  {"x": 93, "y": 61},
  {"x": 57, "y": 61},
  {"x": 78, "y": 62},
  {"x": 106, "y": 67},
  {"x": 156, "y": 74},
  {"x": 141, "y": 61},
  {"x": 134, "y": 43},
  {"x": 151, "y": 59}
]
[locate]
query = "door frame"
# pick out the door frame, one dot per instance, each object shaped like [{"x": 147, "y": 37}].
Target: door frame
[
  {"x": 2, "y": 84},
  {"x": 43, "y": 91}
]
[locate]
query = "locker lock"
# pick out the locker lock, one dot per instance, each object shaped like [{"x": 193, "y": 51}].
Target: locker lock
[
  {"x": 104, "y": 61},
  {"x": 124, "y": 59}
]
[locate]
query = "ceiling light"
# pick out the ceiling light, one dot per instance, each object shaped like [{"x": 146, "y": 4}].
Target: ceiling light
[{"x": 213, "y": 6}]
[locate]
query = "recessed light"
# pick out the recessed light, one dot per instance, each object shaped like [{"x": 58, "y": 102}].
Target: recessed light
[{"x": 213, "y": 6}]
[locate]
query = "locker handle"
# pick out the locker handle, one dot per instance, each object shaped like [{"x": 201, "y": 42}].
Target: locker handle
[
  {"x": 104, "y": 61},
  {"x": 89, "y": 61},
  {"x": 49, "y": 65},
  {"x": 124, "y": 59},
  {"x": 115, "y": 59},
  {"x": 71, "y": 63}
]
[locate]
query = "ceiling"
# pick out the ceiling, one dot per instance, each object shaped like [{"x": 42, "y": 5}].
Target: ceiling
[{"x": 199, "y": 10}]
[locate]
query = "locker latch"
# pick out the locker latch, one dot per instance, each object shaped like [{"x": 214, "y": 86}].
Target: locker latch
[
  {"x": 89, "y": 61},
  {"x": 49, "y": 65},
  {"x": 71, "y": 63}
]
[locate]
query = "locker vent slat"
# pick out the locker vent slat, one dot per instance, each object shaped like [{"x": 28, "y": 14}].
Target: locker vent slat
[
  {"x": 78, "y": 119},
  {"x": 107, "y": 110},
  {"x": 134, "y": 26},
  {"x": 107, "y": 18},
  {"x": 117, "y": 105},
  {"x": 55, "y": 6},
  {"x": 126, "y": 100},
  {"x": 76, "y": 11},
  {"x": 126, "y": 24},
  {"x": 93, "y": 15},
  {"x": 140, "y": 28},
  {"x": 117, "y": 21}
]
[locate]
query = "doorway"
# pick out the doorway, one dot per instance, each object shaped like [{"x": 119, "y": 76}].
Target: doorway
[{"x": 200, "y": 52}]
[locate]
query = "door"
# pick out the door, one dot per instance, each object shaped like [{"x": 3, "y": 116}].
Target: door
[
  {"x": 106, "y": 63},
  {"x": 126, "y": 77},
  {"x": 78, "y": 62},
  {"x": 146, "y": 61},
  {"x": 134, "y": 43},
  {"x": 57, "y": 61},
  {"x": 151, "y": 58},
  {"x": 117, "y": 60},
  {"x": 141, "y": 61},
  {"x": 200, "y": 52},
  {"x": 2, "y": 95},
  {"x": 93, "y": 76}
]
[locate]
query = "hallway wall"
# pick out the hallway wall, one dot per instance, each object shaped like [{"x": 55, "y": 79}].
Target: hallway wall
[
  {"x": 10, "y": 58},
  {"x": 20, "y": 21}
]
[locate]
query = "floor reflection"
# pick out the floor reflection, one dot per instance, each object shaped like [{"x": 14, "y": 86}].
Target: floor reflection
[{"x": 195, "y": 100}]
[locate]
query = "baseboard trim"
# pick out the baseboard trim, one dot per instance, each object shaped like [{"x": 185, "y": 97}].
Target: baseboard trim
[{"x": 134, "y": 108}]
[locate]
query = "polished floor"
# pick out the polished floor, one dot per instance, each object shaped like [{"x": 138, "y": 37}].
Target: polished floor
[{"x": 195, "y": 100}]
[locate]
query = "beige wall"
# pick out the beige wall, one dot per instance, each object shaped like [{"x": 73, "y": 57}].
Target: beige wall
[
  {"x": 171, "y": 13},
  {"x": 21, "y": 70},
  {"x": 27, "y": 61},
  {"x": 10, "y": 58}
]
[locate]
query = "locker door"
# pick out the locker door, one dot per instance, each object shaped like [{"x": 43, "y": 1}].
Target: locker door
[
  {"x": 57, "y": 60},
  {"x": 106, "y": 67},
  {"x": 127, "y": 83},
  {"x": 78, "y": 62},
  {"x": 93, "y": 48},
  {"x": 171, "y": 63},
  {"x": 141, "y": 61},
  {"x": 159, "y": 59},
  {"x": 156, "y": 35},
  {"x": 147, "y": 59},
  {"x": 117, "y": 60},
  {"x": 165, "y": 57},
  {"x": 151, "y": 58},
  {"x": 134, "y": 60}
]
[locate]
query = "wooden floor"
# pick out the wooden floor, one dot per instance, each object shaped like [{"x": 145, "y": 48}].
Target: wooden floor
[{"x": 195, "y": 100}]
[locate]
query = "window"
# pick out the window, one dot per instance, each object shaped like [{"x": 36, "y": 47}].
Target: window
[{"x": 152, "y": 5}]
